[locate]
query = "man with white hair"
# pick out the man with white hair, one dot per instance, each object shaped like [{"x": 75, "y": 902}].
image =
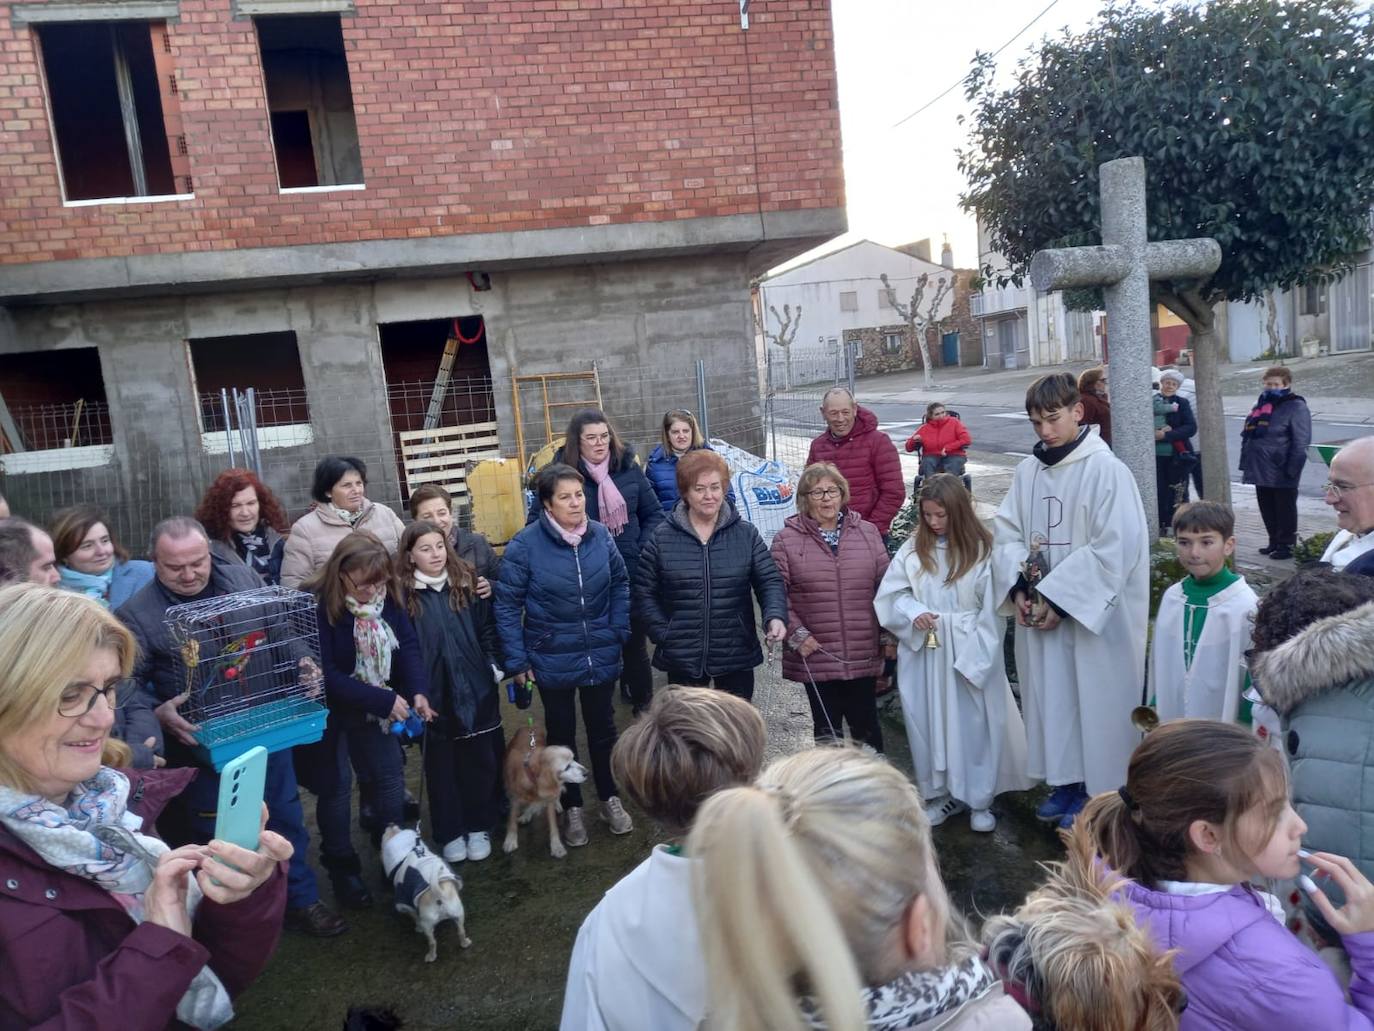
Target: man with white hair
[
  {"x": 864, "y": 455},
  {"x": 1350, "y": 491}
]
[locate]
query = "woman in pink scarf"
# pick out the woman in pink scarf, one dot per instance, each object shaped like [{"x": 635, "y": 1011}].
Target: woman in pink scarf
[{"x": 620, "y": 497}]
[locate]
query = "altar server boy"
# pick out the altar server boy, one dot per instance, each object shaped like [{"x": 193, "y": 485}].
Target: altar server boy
[
  {"x": 1197, "y": 657},
  {"x": 1071, "y": 562}
]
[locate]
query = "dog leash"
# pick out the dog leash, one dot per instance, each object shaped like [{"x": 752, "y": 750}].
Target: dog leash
[
  {"x": 424, "y": 776},
  {"x": 811, "y": 685}
]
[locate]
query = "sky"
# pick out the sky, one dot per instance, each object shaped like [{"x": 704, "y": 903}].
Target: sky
[{"x": 893, "y": 56}]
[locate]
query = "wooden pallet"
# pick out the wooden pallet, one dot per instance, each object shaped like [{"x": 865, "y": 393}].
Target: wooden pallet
[{"x": 441, "y": 455}]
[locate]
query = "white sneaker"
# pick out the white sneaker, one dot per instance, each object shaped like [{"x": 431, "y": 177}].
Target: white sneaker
[
  {"x": 456, "y": 850},
  {"x": 617, "y": 817},
  {"x": 981, "y": 820},
  {"x": 479, "y": 846},
  {"x": 938, "y": 812}
]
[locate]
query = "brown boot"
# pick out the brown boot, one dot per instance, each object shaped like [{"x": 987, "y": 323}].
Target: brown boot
[{"x": 318, "y": 921}]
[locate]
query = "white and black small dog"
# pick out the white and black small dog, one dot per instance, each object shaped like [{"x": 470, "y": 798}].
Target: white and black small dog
[{"x": 426, "y": 888}]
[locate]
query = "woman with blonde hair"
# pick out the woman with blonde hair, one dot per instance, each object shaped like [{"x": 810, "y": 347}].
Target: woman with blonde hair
[
  {"x": 637, "y": 962},
  {"x": 831, "y": 561},
  {"x": 822, "y": 874},
  {"x": 681, "y": 434},
  {"x": 102, "y": 926},
  {"x": 968, "y": 743}
]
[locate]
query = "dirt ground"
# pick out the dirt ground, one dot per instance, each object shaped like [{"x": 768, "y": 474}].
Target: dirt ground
[{"x": 524, "y": 911}]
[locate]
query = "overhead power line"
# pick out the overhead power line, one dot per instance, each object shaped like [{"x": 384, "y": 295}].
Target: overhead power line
[{"x": 960, "y": 81}]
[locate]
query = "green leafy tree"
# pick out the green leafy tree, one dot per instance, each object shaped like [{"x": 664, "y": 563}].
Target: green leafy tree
[{"x": 1256, "y": 122}]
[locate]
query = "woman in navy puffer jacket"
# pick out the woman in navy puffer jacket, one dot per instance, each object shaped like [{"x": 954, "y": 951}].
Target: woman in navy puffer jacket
[
  {"x": 563, "y": 613},
  {"x": 681, "y": 434},
  {"x": 618, "y": 496}
]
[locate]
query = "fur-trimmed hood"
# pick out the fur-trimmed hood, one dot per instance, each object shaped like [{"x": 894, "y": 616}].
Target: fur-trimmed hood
[{"x": 1326, "y": 656}]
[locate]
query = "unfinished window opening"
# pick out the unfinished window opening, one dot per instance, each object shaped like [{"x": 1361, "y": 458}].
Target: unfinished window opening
[
  {"x": 53, "y": 411},
  {"x": 305, "y": 72},
  {"x": 443, "y": 411},
  {"x": 115, "y": 115},
  {"x": 269, "y": 364}
]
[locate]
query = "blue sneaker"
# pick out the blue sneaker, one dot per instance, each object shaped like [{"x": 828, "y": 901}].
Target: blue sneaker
[
  {"x": 1064, "y": 800},
  {"x": 1066, "y": 821}
]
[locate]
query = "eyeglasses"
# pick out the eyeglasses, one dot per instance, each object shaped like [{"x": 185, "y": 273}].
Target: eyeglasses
[
  {"x": 822, "y": 493},
  {"x": 596, "y": 438},
  {"x": 79, "y": 699},
  {"x": 1337, "y": 489},
  {"x": 371, "y": 588}
]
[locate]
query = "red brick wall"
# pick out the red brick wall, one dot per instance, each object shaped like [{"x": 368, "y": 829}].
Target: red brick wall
[{"x": 472, "y": 117}]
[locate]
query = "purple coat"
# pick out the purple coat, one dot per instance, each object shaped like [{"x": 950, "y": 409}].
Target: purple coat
[
  {"x": 71, "y": 957},
  {"x": 1245, "y": 971}
]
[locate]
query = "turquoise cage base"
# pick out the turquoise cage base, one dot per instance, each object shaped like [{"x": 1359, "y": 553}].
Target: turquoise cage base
[{"x": 275, "y": 726}]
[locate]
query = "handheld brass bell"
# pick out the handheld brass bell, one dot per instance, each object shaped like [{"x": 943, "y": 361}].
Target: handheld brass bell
[
  {"x": 932, "y": 639},
  {"x": 1144, "y": 718}
]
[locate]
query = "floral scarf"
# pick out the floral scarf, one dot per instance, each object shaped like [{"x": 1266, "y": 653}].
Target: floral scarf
[
  {"x": 92, "y": 585},
  {"x": 373, "y": 641},
  {"x": 351, "y": 518},
  {"x": 94, "y": 836},
  {"x": 610, "y": 503}
]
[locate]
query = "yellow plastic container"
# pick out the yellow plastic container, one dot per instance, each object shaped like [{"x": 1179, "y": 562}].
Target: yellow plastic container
[{"x": 498, "y": 498}]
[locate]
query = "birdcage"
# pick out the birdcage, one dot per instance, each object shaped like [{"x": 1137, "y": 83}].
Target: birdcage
[{"x": 251, "y": 665}]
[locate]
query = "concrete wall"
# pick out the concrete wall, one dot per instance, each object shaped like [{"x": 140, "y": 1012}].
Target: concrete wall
[{"x": 644, "y": 324}]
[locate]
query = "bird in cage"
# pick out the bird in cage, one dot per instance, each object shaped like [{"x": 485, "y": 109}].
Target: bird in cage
[{"x": 252, "y": 671}]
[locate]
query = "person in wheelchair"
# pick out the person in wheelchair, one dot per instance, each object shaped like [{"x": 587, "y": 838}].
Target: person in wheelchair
[{"x": 942, "y": 442}]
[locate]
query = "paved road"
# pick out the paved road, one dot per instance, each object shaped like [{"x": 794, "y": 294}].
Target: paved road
[{"x": 1005, "y": 431}]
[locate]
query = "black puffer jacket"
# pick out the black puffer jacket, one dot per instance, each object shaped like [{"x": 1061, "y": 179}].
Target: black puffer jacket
[{"x": 695, "y": 600}]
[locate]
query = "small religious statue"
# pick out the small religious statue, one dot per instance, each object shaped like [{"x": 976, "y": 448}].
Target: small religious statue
[{"x": 1034, "y": 569}]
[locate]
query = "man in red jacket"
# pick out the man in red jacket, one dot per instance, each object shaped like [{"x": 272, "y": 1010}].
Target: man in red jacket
[{"x": 866, "y": 457}]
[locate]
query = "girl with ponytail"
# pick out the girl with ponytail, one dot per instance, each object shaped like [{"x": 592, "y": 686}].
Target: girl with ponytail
[
  {"x": 1203, "y": 813},
  {"x": 820, "y": 906}
]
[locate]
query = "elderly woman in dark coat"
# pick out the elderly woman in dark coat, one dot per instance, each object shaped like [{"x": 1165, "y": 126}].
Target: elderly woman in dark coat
[
  {"x": 1273, "y": 451},
  {"x": 563, "y": 613},
  {"x": 698, "y": 576}
]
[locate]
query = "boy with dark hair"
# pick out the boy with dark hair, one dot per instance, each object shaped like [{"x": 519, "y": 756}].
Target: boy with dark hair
[
  {"x": 1071, "y": 558},
  {"x": 1197, "y": 667}
]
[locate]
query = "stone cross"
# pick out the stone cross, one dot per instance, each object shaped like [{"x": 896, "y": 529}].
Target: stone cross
[{"x": 1125, "y": 264}]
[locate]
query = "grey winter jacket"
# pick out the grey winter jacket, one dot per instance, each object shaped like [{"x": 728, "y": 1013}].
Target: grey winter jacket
[
  {"x": 697, "y": 600},
  {"x": 1321, "y": 681},
  {"x": 1276, "y": 457}
]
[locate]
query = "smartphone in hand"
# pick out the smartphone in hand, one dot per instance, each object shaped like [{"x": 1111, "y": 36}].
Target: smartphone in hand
[{"x": 238, "y": 818}]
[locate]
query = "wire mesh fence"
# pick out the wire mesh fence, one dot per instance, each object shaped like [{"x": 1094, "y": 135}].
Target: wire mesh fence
[
  {"x": 408, "y": 433},
  {"x": 43, "y": 427}
]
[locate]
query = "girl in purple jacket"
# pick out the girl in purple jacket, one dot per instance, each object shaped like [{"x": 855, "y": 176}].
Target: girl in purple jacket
[{"x": 1204, "y": 813}]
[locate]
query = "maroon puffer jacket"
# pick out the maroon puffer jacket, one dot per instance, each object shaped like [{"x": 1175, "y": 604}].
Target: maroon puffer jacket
[
  {"x": 72, "y": 957},
  {"x": 831, "y": 595},
  {"x": 867, "y": 458}
]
